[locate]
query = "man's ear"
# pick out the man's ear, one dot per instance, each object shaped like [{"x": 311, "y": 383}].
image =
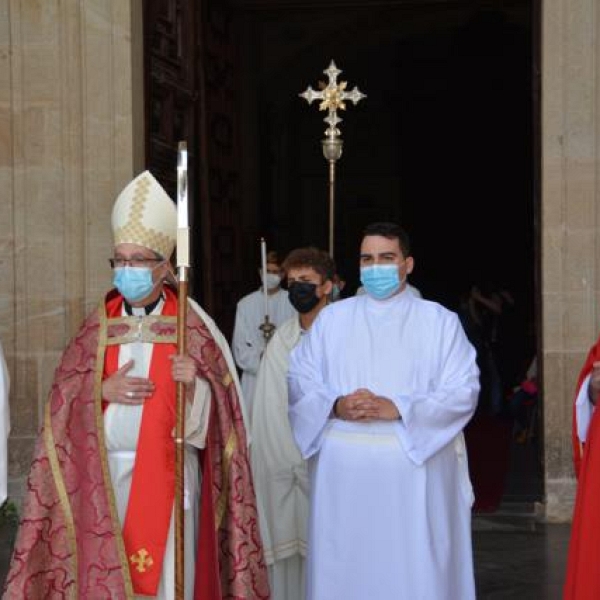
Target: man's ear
[
  {"x": 170, "y": 277},
  {"x": 166, "y": 272},
  {"x": 410, "y": 265},
  {"x": 327, "y": 287}
]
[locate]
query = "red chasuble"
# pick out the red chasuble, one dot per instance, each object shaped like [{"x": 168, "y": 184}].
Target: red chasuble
[
  {"x": 70, "y": 543},
  {"x": 583, "y": 570}
]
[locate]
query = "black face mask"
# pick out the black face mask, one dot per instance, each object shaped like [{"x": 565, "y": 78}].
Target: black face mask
[{"x": 303, "y": 296}]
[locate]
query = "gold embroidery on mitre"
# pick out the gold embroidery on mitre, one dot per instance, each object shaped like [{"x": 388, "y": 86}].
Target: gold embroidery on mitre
[
  {"x": 141, "y": 560},
  {"x": 134, "y": 231}
]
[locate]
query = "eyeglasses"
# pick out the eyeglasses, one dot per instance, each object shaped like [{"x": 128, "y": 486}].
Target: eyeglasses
[{"x": 141, "y": 261}]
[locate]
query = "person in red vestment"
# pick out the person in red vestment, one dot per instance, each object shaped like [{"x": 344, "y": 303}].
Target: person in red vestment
[
  {"x": 98, "y": 513},
  {"x": 583, "y": 572}
]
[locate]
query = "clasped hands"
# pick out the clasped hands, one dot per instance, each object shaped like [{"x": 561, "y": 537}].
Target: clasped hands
[
  {"x": 123, "y": 389},
  {"x": 364, "y": 405}
]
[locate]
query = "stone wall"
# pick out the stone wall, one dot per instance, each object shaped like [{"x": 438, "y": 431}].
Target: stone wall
[
  {"x": 66, "y": 149},
  {"x": 570, "y": 225}
]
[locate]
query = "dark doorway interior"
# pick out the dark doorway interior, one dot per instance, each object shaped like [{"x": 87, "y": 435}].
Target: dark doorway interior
[{"x": 443, "y": 143}]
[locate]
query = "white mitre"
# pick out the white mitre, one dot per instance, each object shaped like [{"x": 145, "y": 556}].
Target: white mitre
[{"x": 144, "y": 214}]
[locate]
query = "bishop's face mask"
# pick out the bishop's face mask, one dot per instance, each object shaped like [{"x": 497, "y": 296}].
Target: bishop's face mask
[
  {"x": 134, "y": 283},
  {"x": 303, "y": 296},
  {"x": 380, "y": 281}
]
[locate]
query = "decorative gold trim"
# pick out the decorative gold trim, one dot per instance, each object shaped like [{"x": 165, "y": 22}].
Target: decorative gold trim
[
  {"x": 116, "y": 525},
  {"x": 134, "y": 229},
  {"x": 222, "y": 500},
  {"x": 227, "y": 379},
  {"x": 140, "y": 329},
  {"x": 62, "y": 495}
]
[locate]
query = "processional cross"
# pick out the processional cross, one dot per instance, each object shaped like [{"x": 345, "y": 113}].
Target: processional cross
[{"x": 332, "y": 96}]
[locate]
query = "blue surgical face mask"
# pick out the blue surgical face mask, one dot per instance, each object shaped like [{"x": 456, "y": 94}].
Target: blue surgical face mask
[
  {"x": 273, "y": 280},
  {"x": 134, "y": 283},
  {"x": 380, "y": 281}
]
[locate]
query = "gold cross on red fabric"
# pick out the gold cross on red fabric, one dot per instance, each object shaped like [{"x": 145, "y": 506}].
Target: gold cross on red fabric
[{"x": 142, "y": 560}]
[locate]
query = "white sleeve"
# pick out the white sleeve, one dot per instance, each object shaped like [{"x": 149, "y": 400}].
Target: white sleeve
[
  {"x": 310, "y": 399},
  {"x": 248, "y": 343},
  {"x": 584, "y": 410},
  {"x": 431, "y": 420},
  {"x": 197, "y": 413},
  {"x": 227, "y": 354},
  {"x": 4, "y": 426}
]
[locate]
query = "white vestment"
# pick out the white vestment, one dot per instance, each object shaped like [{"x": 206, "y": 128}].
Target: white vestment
[
  {"x": 279, "y": 471},
  {"x": 122, "y": 426},
  {"x": 584, "y": 410},
  {"x": 248, "y": 341},
  {"x": 390, "y": 513},
  {"x": 4, "y": 426}
]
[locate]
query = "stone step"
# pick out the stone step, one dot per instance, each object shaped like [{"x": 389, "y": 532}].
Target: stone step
[{"x": 510, "y": 516}]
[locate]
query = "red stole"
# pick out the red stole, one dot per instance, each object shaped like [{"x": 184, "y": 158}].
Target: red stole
[{"x": 152, "y": 493}]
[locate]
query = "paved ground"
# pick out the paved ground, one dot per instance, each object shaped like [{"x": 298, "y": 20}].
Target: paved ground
[
  {"x": 512, "y": 561},
  {"x": 515, "y": 556},
  {"x": 522, "y": 562}
]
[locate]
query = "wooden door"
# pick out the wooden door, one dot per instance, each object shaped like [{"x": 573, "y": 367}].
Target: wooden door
[{"x": 192, "y": 94}]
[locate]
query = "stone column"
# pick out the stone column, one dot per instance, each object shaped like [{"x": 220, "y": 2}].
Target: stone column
[
  {"x": 570, "y": 225},
  {"x": 66, "y": 149}
]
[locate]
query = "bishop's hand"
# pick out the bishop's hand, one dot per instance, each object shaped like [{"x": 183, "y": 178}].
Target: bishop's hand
[
  {"x": 122, "y": 389},
  {"x": 183, "y": 370}
]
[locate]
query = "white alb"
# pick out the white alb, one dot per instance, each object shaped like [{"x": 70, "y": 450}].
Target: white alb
[{"x": 390, "y": 513}]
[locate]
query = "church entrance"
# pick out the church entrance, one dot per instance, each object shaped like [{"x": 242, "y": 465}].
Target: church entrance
[{"x": 445, "y": 143}]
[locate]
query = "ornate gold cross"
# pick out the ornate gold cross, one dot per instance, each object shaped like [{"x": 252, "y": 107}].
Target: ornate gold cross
[
  {"x": 142, "y": 560},
  {"x": 332, "y": 96}
]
